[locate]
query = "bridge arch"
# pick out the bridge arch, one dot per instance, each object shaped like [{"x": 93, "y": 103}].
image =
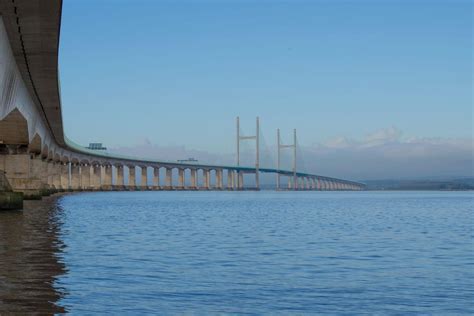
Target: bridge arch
[{"x": 14, "y": 129}]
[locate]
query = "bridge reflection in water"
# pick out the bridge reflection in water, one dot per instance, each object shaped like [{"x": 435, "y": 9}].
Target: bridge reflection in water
[{"x": 30, "y": 251}]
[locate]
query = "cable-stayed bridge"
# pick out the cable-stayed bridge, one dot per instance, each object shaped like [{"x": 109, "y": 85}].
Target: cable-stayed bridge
[{"x": 37, "y": 158}]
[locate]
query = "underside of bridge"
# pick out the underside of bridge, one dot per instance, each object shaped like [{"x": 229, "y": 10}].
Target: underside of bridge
[{"x": 37, "y": 159}]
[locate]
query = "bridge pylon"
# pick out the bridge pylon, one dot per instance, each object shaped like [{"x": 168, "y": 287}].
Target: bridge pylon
[
  {"x": 255, "y": 137},
  {"x": 281, "y": 146}
]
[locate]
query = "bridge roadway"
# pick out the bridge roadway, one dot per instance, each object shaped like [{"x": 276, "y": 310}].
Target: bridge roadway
[{"x": 35, "y": 155}]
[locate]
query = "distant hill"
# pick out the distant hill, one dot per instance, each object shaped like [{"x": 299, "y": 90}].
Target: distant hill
[{"x": 421, "y": 184}]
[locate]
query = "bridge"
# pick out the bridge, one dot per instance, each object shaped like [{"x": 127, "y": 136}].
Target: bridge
[{"x": 36, "y": 157}]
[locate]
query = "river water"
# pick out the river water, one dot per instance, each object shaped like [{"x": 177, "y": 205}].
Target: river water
[{"x": 240, "y": 252}]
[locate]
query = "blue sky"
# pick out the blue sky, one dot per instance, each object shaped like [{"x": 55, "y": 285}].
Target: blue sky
[{"x": 178, "y": 72}]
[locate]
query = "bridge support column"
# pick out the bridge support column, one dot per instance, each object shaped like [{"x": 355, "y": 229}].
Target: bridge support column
[
  {"x": 144, "y": 178},
  {"x": 207, "y": 176},
  {"x": 57, "y": 176},
  {"x": 241, "y": 180},
  {"x": 119, "y": 180},
  {"x": 235, "y": 175},
  {"x": 75, "y": 177},
  {"x": 65, "y": 176},
  {"x": 85, "y": 177},
  {"x": 325, "y": 185},
  {"x": 169, "y": 178},
  {"x": 194, "y": 179},
  {"x": 297, "y": 183},
  {"x": 96, "y": 177},
  {"x": 24, "y": 174},
  {"x": 132, "y": 181},
  {"x": 219, "y": 180},
  {"x": 40, "y": 171},
  {"x": 43, "y": 174},
  {"x": 107, "y": 183},
  {"x": 230, "y": 179},
  {"x": 156, "y": 178},
  {"x": 181, "y": 179},
  {"x": 49, "y": 176}
]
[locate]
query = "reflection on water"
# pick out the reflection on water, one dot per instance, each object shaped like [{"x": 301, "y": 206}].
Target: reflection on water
[{"x": 29, "y": 259}]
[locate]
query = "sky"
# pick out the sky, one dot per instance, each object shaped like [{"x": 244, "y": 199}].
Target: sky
[{"x": 164, "y": 78}]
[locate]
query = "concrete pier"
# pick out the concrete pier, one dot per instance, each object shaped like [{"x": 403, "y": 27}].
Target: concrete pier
[
  {"x": 107, "y": 181},
  {"x": 96, "y": 177},
  {"x": 64, "y": 170},
  {"x": 219, "y": 179},
  {"x": 169, "y": 179},
  {"x": 75, "y": 177},
  {"x": 181, "y": 179},
  {"x": 241, "y": 180},
  {"x": 120, "y": 179},
  {"x": 9, "y": 200},
  {"x": 132, "y": 182},
  {"x": 144, "y": 179},
  {"x": 156, "y": 178},
  {"x": 85, "y": 177},
  {"x": 194, "y": 179}
]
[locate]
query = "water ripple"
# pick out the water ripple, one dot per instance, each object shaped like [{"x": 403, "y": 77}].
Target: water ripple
[{"x": 242, "y": 252}]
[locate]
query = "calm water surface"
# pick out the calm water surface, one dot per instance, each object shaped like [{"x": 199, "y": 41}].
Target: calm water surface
[{"x": 240, "y": 252}]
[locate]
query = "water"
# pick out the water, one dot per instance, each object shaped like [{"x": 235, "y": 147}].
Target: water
[{"x": 240, "y": 252}]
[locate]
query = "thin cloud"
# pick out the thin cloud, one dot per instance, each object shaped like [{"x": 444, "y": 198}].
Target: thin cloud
[{"x": 380, "y": 155}]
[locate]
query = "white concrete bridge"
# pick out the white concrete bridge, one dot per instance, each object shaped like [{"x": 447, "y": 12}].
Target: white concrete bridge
[{"x": 38, "y": 158}]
